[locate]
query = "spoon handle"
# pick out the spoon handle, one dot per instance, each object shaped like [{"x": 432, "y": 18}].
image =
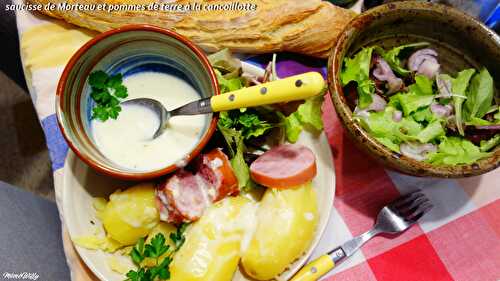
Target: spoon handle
[{"x": 292, "y": 88}]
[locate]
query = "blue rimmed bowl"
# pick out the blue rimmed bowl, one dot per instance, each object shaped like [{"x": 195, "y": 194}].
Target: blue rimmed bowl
[{"x": 128, "y": 50}]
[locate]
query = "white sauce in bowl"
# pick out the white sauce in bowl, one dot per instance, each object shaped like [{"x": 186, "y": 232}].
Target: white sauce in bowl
[{"x": 127, "y": 141}]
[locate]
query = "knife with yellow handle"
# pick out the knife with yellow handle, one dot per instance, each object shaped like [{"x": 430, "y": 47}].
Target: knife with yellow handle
[{"x": 292, "y": 88}]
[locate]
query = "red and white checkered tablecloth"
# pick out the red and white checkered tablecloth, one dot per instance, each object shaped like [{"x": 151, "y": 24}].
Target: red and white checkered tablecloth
[{"x": 459, "y": 239}]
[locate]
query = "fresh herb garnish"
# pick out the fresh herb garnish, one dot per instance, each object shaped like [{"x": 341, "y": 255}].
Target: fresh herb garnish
[
  {"x": 106, "y": 93},
  {"x": 160, "y": 252}
]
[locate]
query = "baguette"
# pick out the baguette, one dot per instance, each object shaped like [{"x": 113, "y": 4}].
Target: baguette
[{"x": 307, "y": 27}]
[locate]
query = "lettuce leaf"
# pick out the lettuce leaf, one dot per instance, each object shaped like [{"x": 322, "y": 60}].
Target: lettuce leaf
[
  {"x": 382, "y": 125},
  {"x": 394, "y": 56},
  {"x": 455, "y": 151},
  {"x": 479, "y": 95},
  {"x": 237, "y": 148},
  {"x": 412, "y": 102},
  {"x": 228, "y": 85},
  {"x": 389, "y": 144},
  {"x": 459, "y": 88},
  {"x": 357, "y": 69},
  {"x": 308, "y": 116},
  {"x": 487, "y": 145},
  {"x": 293, "y": 127},
  {"x": 424, "y": 114},
  {"x": 432, "y": 131},
  {"x": 474, "y": 121},
  {"x": 422, "y": 86}
]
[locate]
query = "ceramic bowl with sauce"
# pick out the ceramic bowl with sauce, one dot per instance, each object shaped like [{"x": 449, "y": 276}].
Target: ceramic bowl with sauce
[
  {"x": 155, "y": 63},
  {"x": 461, "y": 42}
]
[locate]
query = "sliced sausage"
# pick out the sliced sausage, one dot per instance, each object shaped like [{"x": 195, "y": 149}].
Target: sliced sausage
[
  {"x": 284, "y": 166},
  {"x": 186, "y": 194},
  {"x": 217, "y": 171}
]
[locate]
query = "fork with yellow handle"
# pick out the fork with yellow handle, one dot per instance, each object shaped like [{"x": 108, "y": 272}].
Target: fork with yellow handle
[{"x": 394, "y": 218}]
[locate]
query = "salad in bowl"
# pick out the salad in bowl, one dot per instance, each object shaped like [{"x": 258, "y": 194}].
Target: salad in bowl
[{"x": 405, "y": 101}]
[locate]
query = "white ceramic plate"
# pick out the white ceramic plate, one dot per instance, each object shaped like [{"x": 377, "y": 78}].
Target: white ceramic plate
[{"x": 81, "y": 184}]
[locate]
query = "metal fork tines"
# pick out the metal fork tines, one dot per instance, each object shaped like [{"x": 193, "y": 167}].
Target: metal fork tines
[{"x": 394, "y": 218}]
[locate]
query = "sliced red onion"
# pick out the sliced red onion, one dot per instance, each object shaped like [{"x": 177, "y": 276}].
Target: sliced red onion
[
  {"x": 363, "y": 113},
  {"x": 424, "y": 62},
  {"x": 417, "y": 151},
  {"x": 397, "y": 116},
  {"x": 488, "y": 127},
  {"x": 378, "y": 104},
  {"x": 418, "y": 57},
  {"x": 383, "y": 72},
  {"x": 444, "y": 87},
  {"x": 429, "y": 68},
  {"x": 441, "y": 110}
]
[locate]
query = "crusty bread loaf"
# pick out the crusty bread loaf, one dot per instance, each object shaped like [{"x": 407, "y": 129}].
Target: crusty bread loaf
[{"x": 302, "y": 26}]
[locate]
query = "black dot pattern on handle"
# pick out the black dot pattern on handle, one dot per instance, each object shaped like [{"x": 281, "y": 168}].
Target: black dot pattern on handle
[
  {"x": 314, "y": 269},
  {"x": 231, "y": 97},
  {"x": 263, "y": 90},
  {"x": 298, "y": 83}
]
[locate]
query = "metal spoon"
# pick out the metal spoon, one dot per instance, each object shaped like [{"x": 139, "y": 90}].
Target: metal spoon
[{"x": 289, "y": 89}]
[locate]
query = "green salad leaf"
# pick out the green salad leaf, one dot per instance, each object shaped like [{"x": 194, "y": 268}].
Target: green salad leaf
[
  {"x": 389, "y": 144},
  {"x": 237, "y": 148},
  {"x": 479, "y": 94},
  {"x": 394, "y": 56},
  {"x": 411, "y": 102},
  {"x": 424, "y": 114},
  {"x": 433, "y": 130},
  {"x": 422, "y": 86},
  {"x": 293, "y": 126},
  {"x": 228, "y": 85},
  {"x": 487, "y": 145},
  {"x": 497, "y": 116},
  {"x": 357, "y": 69},
  {"x": 455, "y": 151},
  {"x": 382, "y": 126},
  {"x": 224, "y": 62},
  {"x": 474, "y": 121},
  {"x": 308, "y": 115},
  {"x": 459, "y": 89},
  {"x": 365, "y": 90}
]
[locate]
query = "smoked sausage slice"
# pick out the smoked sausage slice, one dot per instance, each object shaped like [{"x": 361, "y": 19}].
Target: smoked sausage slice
[{"x": 284, "y": 166}]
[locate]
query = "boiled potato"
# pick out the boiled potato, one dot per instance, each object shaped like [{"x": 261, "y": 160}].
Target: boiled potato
[
  {"x": 287, "y": 220},
  {"x": 130, "y": 214},
  {"x": 212, "y": 248}
]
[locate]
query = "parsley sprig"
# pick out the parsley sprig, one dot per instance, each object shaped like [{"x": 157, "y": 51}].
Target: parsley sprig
[
  {"x": 155, "y": 249},
  {"x": 106, "y": 92}
]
